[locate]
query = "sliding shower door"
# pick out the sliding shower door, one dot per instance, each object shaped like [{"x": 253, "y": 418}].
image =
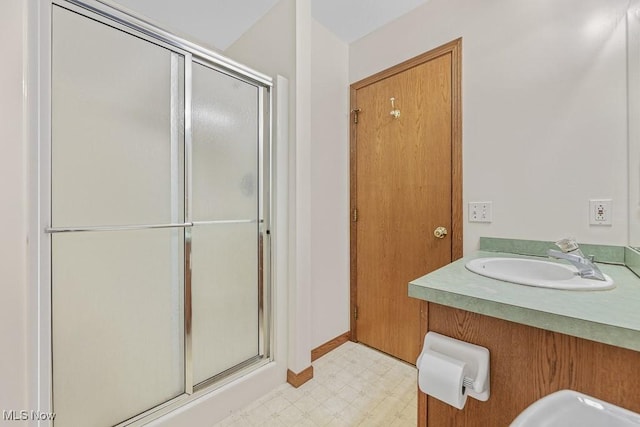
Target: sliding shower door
[
  {"x": 117, "y": 214},
  {"x": 159, "y": 211},
  {"x": 225, "y": 236}
]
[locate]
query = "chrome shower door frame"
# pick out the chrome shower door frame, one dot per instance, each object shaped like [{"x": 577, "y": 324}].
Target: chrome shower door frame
[{"x": 111, "y": 14}]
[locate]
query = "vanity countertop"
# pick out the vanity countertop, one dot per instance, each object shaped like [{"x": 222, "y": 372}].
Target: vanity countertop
[{"x": 609, "y": 316}]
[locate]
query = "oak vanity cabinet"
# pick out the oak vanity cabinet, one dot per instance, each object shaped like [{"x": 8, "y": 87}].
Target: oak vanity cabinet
[{"x": 528, "y": 363}]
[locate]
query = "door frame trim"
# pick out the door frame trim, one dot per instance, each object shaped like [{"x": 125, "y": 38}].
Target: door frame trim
[{"x": 454, "y": 48}]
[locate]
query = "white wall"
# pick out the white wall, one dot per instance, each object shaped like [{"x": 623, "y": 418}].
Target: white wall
[
  {"x": 300, "y": 255},
  {"x": 633, "y": 55},
  {"x": 13, "y": 212},
  {"x": 269, "y": 45},
  {"x": 544, "y": 108},
  {"x": 329, "y": 185}
]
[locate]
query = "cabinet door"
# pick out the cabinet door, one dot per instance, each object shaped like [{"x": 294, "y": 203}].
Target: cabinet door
[{"x": 527, "y": 364}]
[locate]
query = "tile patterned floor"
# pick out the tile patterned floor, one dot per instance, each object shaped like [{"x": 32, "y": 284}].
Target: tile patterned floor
[{"x": 352, "y": 385}]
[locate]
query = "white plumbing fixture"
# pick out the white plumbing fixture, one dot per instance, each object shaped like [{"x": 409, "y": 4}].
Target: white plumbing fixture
[
  {"x": 539, "y": 273},
  {"x": 571, "y": 408}
]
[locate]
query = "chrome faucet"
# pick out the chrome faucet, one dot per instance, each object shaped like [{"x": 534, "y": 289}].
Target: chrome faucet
[{"x": 571, "y": 252}]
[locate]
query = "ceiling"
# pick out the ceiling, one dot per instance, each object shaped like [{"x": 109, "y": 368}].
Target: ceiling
[
  {"x": 222, "y": 22},
  {"x": 353, "y": 19}
]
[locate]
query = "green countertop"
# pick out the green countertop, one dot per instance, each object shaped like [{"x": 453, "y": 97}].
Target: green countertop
[{"x": 610, "y": 316}]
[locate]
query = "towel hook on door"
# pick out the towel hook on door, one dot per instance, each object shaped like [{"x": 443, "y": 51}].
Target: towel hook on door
[{"x": 394, "y": 111}]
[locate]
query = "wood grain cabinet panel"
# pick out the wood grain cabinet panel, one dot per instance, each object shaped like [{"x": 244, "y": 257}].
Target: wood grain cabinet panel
[{"x": 526, "y": 364}]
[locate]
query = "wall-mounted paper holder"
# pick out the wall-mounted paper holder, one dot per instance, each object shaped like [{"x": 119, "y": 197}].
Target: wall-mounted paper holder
[{"x": 476, "y": 358}]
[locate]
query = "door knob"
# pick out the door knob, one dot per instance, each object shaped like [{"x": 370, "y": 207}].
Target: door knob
[{"x": 440, "y": 232}]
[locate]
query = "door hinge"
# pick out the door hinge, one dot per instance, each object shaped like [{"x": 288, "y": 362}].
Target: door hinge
[
  {"x": 354, "y": 215},
  {"x": 355, "y": 112},
  {"x": 355, "y": 312}
]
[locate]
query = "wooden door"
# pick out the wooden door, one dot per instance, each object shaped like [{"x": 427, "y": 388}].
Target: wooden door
[{"x": 403, "y": 189}]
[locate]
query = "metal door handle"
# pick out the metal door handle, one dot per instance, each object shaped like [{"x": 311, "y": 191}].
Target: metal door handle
[{"x": 440, "y": 232}]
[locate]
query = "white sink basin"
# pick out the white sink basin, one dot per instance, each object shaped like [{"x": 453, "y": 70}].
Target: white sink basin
[
  {"x": 533, "y": 272},
  {"x": 568, "y": 408}
]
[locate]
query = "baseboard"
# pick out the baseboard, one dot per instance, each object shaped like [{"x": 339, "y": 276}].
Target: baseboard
[
  {"x": 325, "y": 348},
  {"x": 297, "y": 380}
]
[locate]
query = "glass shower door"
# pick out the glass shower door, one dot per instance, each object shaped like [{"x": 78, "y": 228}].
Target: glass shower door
[
  {"x": 117, "y": 223},
  {"x": 226, "y": 285},
  {"x": 159, "y": 197}
]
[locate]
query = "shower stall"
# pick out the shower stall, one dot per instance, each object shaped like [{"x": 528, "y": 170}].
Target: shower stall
[{"x": 159, "y": 218}]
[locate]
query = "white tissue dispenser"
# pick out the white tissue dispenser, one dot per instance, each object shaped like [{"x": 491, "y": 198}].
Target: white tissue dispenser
[{"x": 450, "y": 370}]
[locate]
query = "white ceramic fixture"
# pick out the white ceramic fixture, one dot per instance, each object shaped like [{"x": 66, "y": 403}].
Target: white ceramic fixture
[
  {"x": 539, "y": 273},
  {"x": 570, "y": 408}
]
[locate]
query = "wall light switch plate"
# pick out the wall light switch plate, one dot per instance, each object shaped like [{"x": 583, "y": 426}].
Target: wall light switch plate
[
  {"x": 480, "y": 211},
  {"x": 600, "y": 212}
]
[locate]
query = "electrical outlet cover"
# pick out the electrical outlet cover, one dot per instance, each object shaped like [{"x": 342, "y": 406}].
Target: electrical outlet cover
[
  {"x": 600, "y": 211},
  {"x": 480, "y": 211}
]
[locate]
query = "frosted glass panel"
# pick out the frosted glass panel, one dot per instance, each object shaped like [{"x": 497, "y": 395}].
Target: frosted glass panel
[
  {"x": 225, "y": 146},
  {"x": 225, "y": 256},
  {"x": 225, "y": 297},
  {"x": 117, "y": 324},
  {"x": 117, "y": 102},
  {"x": 118, "y": 159}
]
